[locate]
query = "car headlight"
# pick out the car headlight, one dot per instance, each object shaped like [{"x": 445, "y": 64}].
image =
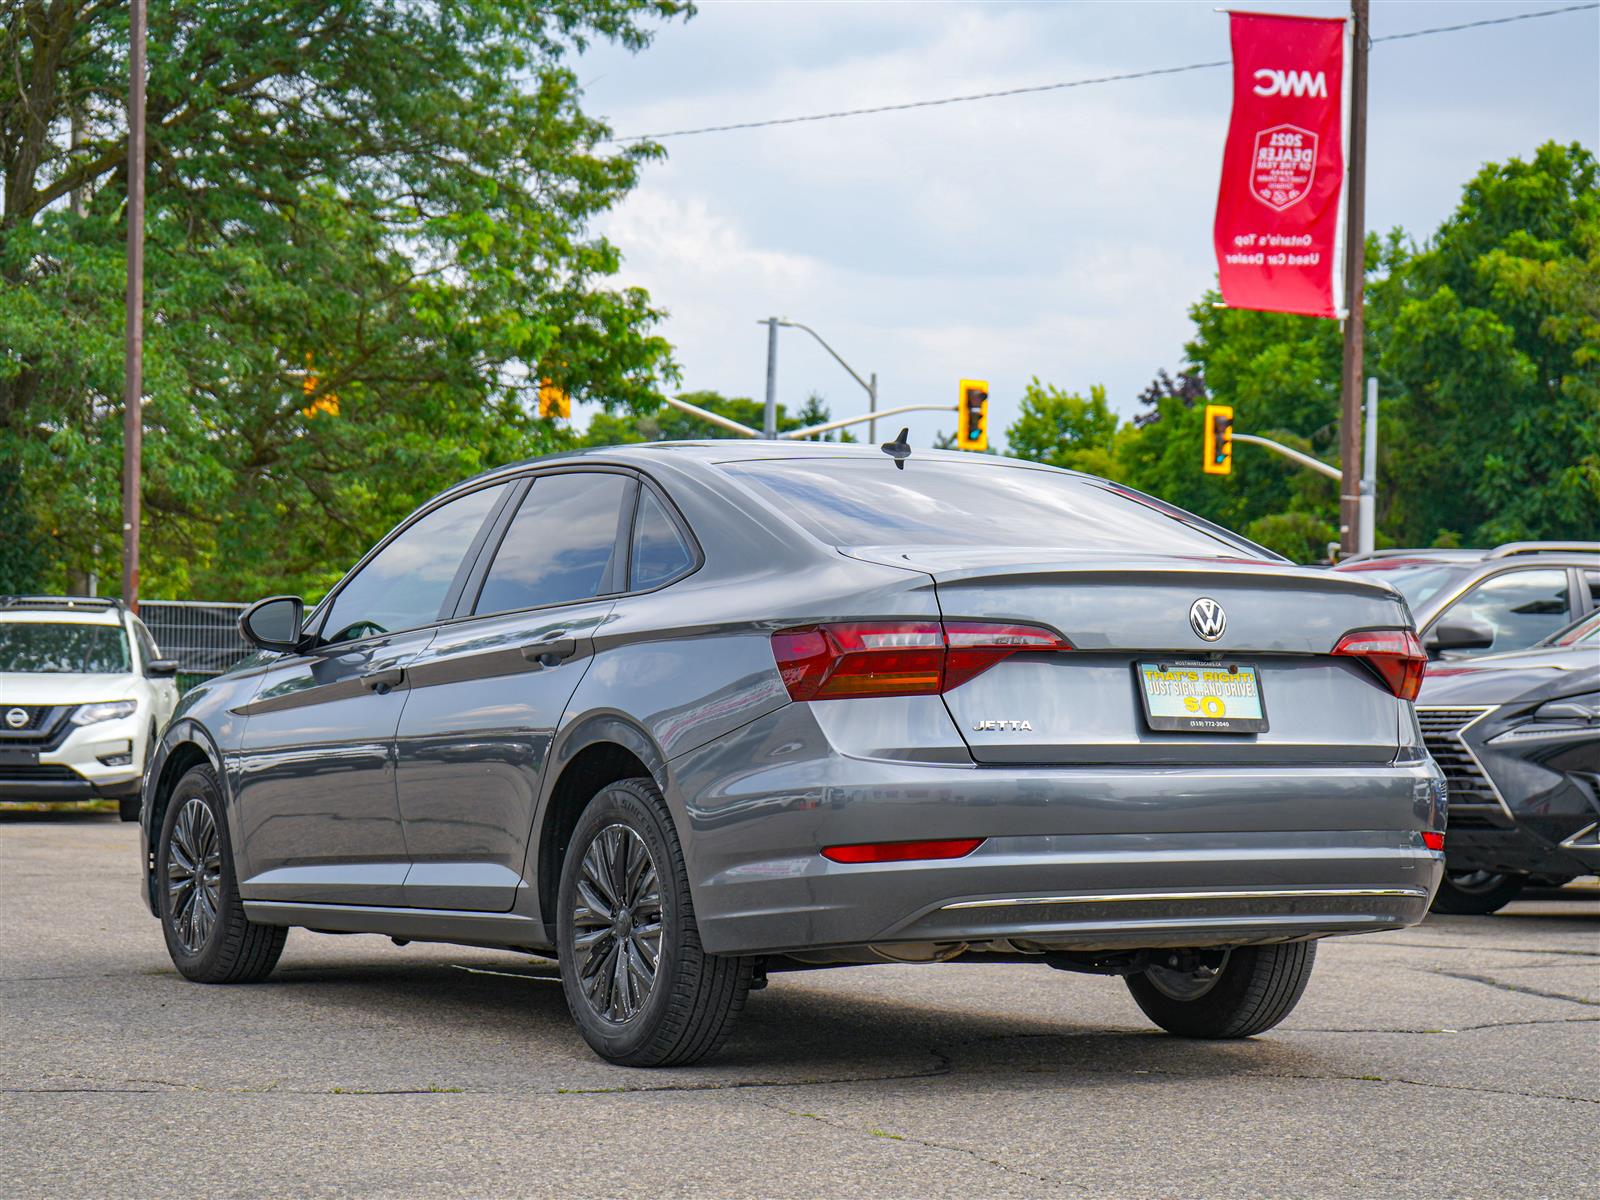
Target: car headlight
[
  {"x": 1567, "y": 717},
  {"x": 109, "y": 710}
]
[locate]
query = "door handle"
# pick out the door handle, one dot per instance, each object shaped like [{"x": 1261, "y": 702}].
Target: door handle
[
  {"x": 551, "y": 651},
  {"x": 384, "y": 681}
]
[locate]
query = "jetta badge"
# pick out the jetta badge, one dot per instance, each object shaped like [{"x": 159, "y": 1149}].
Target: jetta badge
[
  {"x": 1002, "y": 727},
  {"x": 1207, "y": 619},
  {"x": 16, "y": 718}
]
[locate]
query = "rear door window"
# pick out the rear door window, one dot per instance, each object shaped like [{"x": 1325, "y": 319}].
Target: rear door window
[
  {"x": 660, "y": 552},
  {"x": 1522, "y": 607},
  {"x": 560, "y": 545}
]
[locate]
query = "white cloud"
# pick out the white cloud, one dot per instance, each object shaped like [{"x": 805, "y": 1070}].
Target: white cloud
[{"x": 1063, "y": 234}]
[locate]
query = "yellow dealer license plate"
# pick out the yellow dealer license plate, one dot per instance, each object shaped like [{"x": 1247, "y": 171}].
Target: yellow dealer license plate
[{"x": 1202, "y": 697}]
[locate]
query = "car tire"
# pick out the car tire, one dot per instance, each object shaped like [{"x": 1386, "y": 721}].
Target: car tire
[
  {"x": 1476, "y": 893},
  {"x": 1254, "y": 989},
  {"x": 208, "y": 936},
  {"x": 611, "y": 918}
]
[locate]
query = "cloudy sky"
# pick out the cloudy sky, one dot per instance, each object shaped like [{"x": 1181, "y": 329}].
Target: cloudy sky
[{"x": 1062, "y": 235}]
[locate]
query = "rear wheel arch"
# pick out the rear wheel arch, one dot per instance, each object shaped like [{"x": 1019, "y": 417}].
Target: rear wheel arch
[{"x": 600, "y": 751}]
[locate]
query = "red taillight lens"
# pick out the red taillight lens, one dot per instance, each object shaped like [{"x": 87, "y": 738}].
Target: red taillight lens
[
  {"x": 1433, "y": 841},
  {"x": 880, "y": 852},
  {"x": 1395, "y": 654},
  {"x": 897, "y": 658}
]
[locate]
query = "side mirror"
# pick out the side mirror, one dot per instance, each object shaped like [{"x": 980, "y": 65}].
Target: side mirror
[
  {"x": 161, "y": 668},
  {"x": 273, "y": 623},
  {"x": 1463, "y": 633}
]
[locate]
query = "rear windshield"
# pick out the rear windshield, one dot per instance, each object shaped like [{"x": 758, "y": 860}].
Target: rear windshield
[
  {"x": 853, "y": 502},
  {"x": 31, "y": 646}
]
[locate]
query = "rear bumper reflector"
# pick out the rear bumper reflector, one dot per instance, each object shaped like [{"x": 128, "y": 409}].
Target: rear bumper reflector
[{"x": 883, "y": 852}]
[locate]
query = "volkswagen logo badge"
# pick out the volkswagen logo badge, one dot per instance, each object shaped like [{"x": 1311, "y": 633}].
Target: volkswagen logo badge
[
  {"x": 1207, "y": 619},
  {"x": 16, "y": 718}
]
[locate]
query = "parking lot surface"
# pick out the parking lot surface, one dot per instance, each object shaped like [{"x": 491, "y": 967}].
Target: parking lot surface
[{"x": 1460, "y": 1058}]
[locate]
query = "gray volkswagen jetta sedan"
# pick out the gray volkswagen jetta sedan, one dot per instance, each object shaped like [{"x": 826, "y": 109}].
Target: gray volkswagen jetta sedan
[{"x": 679, "y": 715}]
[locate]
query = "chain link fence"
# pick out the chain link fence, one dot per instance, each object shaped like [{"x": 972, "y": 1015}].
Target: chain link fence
[{"x": 202, "y": 635}]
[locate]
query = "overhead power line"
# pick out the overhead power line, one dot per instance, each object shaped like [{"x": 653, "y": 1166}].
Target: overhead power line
[{"x": 1070, "y": 83}]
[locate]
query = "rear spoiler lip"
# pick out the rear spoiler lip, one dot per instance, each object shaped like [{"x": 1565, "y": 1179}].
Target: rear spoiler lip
[{"x": 1119, "y": 567}]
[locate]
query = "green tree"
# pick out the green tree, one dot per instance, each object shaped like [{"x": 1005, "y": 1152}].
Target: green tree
[
  {"x": 1492, "y": 363},
  {"x": 1063, "y": 429},
  {"x": 367, "y": 239}
]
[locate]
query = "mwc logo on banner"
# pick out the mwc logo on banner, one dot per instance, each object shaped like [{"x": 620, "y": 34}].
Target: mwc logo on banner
[{"x": 1277, "y": 226}]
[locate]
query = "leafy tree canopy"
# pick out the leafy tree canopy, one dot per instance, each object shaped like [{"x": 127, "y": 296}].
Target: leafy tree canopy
[
  {"x": 1486, "y": 345},
  {"x": 367, "y": 240}
]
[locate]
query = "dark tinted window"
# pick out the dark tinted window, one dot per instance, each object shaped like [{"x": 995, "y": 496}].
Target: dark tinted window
[
  {"x": 62, "y": 648},
  {"x": 405, "y": 585},
  {"x": 1520, "y": 606},
  {"x": 1418, "y": 582},
  {"x": 659, "y": 551},
  {"x": 559, "y": 545},
  {"x": 849, "y": 502},
  {"x": 1591, "y": 580}
]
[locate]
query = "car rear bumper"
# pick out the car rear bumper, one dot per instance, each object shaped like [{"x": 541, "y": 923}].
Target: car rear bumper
[{"x": 1075, "y": 858}]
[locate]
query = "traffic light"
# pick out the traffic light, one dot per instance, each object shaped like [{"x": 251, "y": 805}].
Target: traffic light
[
  {"x": 1219, "y": 440},
  {"x": 554, "y": 401},
  {"x": 972, "y": 416}
]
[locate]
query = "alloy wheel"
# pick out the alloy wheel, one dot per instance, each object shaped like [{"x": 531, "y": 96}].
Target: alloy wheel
[
  {"x": 616, "y": 919},
  {"x": 1475, "y": 882},
  {"x": 1189, "y": 981},
  {"x": 194, "y": 875}
]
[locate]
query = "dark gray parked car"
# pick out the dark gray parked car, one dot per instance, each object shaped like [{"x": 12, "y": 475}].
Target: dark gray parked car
[
  {"x": 681, "y": 714},
  {"x": 1518, "y": 738}
]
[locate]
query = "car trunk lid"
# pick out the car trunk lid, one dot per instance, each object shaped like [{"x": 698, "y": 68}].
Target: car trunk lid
[{"x": 1120, "y": 612}]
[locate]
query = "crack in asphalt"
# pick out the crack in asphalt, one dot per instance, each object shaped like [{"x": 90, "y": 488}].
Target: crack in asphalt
[
  {"x": 1516, "y": 988},
  {"x": 1053, "y": 1181},
  {"x": 1459, "y": 1028},
  {"x": 1485, "y": 949}
]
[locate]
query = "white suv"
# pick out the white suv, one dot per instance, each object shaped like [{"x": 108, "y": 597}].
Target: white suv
[{"x": 83, "y": 695}]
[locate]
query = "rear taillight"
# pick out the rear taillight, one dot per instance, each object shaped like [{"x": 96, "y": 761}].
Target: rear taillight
[
  {"x": 1395, "y": 654},
  {"x": 898, "y": 658},
  {"x": 1433, "y": 841},
  {"x": 879, "y": 852}
]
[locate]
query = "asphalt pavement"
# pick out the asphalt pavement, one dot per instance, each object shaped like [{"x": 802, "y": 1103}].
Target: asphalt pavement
[{"x": 1460, "y": 1058}]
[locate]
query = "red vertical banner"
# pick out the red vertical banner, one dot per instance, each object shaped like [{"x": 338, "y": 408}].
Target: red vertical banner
[{"x": 1277, "y": 228}]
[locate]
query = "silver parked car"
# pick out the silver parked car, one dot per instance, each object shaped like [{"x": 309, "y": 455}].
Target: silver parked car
[{"x": 683, "y": 714}]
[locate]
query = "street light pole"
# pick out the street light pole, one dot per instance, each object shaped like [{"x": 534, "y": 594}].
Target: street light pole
[
  {"x": 133, "y": 372},
  {"x": 769, "y": 424},
  {"x": 871, "y": 387},
  {"x": 1355, "y": 262}
]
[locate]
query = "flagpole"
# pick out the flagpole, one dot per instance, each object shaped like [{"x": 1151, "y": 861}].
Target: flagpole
[{"x": 1355, "y": 240}]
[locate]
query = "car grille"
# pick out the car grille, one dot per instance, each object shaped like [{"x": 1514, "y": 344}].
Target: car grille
[
  {"x": 39, "y": 773},
  {"x": 1441, "y": 733},
  {"x": 35, "y": 716}
]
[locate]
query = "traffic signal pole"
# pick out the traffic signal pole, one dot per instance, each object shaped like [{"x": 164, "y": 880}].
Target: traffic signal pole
[{"x": 1355, "y": 261}]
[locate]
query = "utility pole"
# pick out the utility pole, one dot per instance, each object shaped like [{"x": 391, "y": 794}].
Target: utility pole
[
  {"x": 769, "y": 423},
  {"x": 1367, "y": 542},
  {"x": 133, "y": 382},
  {"x": 1355, "y": 260}
]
